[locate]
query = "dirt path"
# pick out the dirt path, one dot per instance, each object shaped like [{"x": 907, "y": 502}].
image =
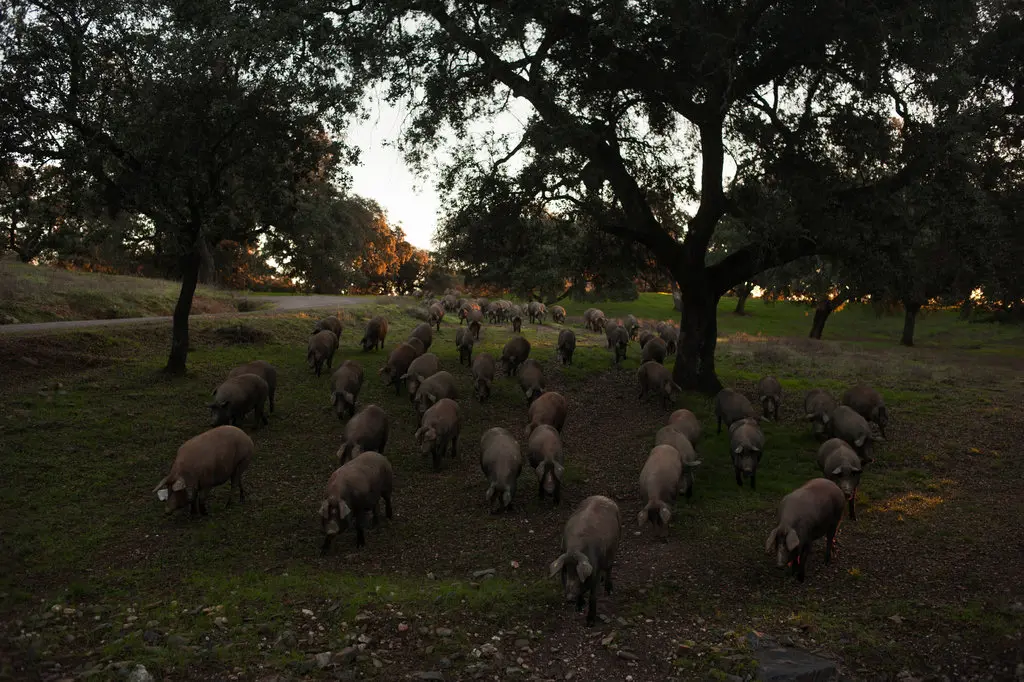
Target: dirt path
[{"x": 280, "y": 303}]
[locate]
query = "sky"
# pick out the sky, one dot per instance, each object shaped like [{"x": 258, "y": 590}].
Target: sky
[{"x": 410, "y": 201}]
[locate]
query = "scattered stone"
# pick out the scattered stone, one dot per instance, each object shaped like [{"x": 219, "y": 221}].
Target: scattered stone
[
  {"x": 792, "y": 665},
  {"x": 365, "y": 639},
  {"x": 287, "y": 640},
  {"x": 403, "y": 627},
  {"x": 522, "y": 644},
  {"x": 346, "y": 655},
  {"x": 1020, "y": 671},
  {"x": 786, "y": 640},
  {"x": 607, "y": 641},
  {"x": 323, "y": 659},
  {"x": 487, "y": 572},
  {"x": 569, "y": 675},
  {"x": 627, "y": 655},
  {"x": 220, "y": 621},
  {"x": 140, "y": 674},
  {"x": 443, "y": 632},
  {"x": 265, "y": 629},
  {"x": 896, "y": 619},
  {"x": 1017, "y": 608},
  {"x": 376, "y": 662},
  {"x": 151, "y": 637},
  {"x": 513, "y": 671},
  {"x": 431, "y": 675},
  {"x": 445, "y": 663},
  {"x": 31, "y": 362},
  {"x": 176, "y": 641},
  {"x": 604, "y": 619}
]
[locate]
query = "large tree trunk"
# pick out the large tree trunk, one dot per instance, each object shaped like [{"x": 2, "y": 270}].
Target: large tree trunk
[
  {"x": 822, "y": 311},
  {"x": 910, "y": 311},
  {"x": 742, "y": 294},
  {"x": 698, "y": 336},
  {"x": 179, "y": 331}
]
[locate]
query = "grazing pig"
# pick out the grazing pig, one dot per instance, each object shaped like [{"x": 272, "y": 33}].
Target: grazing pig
[
  {"x": 331, "y": 323},
  {"x": 811, "y": 511},
  {"x": 746, "y": 444},
  {"x": 588, "y": 316},
  {"x": 517, "y": 324},
  {"x": 654, "y": 378},
  {"x": 424, "y": 333},
  {"x": 842, "y": 466},
  {"x": 531, "y": 379},
  {"x": 618, "y": 340},
  {"x": 483, "y": 375},
  {"x": 536, "y": 310},
  {"x": 731, "y": 406},
  {"x": 769, "y": 392},
  {"x": 366, "y": 431},
  {"x": 433, "y": 388},
  {"x": 467, "y": 310},
  {"x": 632, "y": 326},
  {"x": 451, "y": 302},
  {"x": 868, "y": 403},
  {"x": 655, "y": 350},
  {"x": 435, "y": 314},
  {"x": 502, "y": 462},
  {"x": 261, "y": 369},
  {"x": 854, "y": 429},
  {"x": 566, "y": 346},
  {"x": 515, "y": 353},
  {"x": 659, "y": 485},
  {"x": 346, "y": 382},
  {"x": 544, "y": 451},
  {"x": 397, "y": 366},
  {"x": 818, "y": 407},
  {"x": 355, "y": 488},
  {"x": 550, "y": 408},
  {"x": 670, "y": 335},
  {"x": 661, "y": 327},
  {"x": 558, "y": 314},
  {"x": 439, "y": 428},
  {"x": 320, "y": 350},
  {"x": 417, "y": 345},
  {"x": 594, "y": 319},
  {"x": 474, "y": 329},
  {"x": 589, "y": 542},
  {"x": 667, "y": 435},
  {"x": 422, "y": 367},
  {"x": 237, "y": 397},
  {"x": 644, "y": 336},
  {"x": 204, "y": 462},
  {"x": 464, "y": 343},
  {"x": 686, "y": 423},
  {"x": 376, "y": 332}
]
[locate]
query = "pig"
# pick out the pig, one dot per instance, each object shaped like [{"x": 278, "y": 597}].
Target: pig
[
  {"x": 433, "y": 388},
  {"x": 346, "y": 382},
  {"x": 558, "y": 314},
  {"x": 417, "y": 345},
  {"x": 842, "y": 466},
  {"x": 868, "y": 403},
  {"x": 367, "y": 430},
  {"x": 544, "y": 452},
  {"x": 435, "y": 314},
  {"x": 355, "y": 488},
  {"x": 655, "y": 350},
  {"x": 566, "y": 346},
  {"x": 819, "y": 406},
  {"x": 811, "y": 511},
  {"x": 332, "y": 324},
  {"x": 594, "y": 319},
  {"x": 517, "y": 324},
  {"x": 422, "y": 367},
  {"x": 320, "y": 350},
  {"x": 439, "y": 428},
  {"x": 376, "y": 332},
  {"x": 731, "y": 406},
  {"x": 746, "y": 444},
  {"x": 667, "y": 435},
  {"x": 654, "y": 378},
  {"x": 659, "y": 485},
  {"x": 202, "y": 463},
  {"x": 451, "y": 302},
  {"x": 618, "y": 339},
  {"x": 644, "y": 336},
  {"x": 536, "y": 310},
  {"x": 261, "y": 369},
  {"x": 424, "y": 333},
  {"x": 397, "y": 366},
  {"x": 686, "y": 422},
  {"x": 550, "y": 408},
  {"x": 515, "y": 352},
  {"x": 531, "y": 379},
  {"x": 483, "y": 375},
  {"x": 670, "y": 335},
  {"x": 632, "y": 326},
  {"x": 769, "y": 392},
  {"x": 474, "y": 329},
  {"x": 501, "y": 462},
  {"x": 854, "y": 429},
  {"x": 464, "y": 343},
  {"x": 589, "y": 542},
  {"x": 237, "y": 397}
]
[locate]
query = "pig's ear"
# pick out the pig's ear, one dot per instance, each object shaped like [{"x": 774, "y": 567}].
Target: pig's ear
[
  {"x": 584, "y": 569},
  {"x": 792, "y": 540}
]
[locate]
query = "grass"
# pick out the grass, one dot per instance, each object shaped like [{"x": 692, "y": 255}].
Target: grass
[
  {"x": 43, "y": 294},
  {"x": 82, "y": 442}
]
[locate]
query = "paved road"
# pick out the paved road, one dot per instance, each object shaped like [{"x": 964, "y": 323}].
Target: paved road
[{"x": 280, "y": 303}]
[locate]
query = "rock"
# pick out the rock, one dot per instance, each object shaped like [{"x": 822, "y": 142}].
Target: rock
[
  {"x": 1016, "y": 608},
  {"x": 607, "y": 641},
  {"x": 365, "y": 639},
  {"x": 569, "y": 675},
  {"x": 485, "y": 572},
  {"x": 753, "y": 640},
  {"x": 323, "y": 659},
  {"x": 1020, "y": 671},
  {"x": 445, "y": 663},
  {"x": 151, "y": 637},
  {"x": 792, "y": 665},
  {"x": 443, "y": 632},
  {"x": 31, "y": 362},
  {"x": 265, "y": 629},
  {"x": 346, "y": 655},
  {"x": 627, "y": 655},
  {"x": 140, "y": 674},
  {"x": 513, "y": 671},
  {"x": 431, "y": 675},
  {"x": 522, "y": 644},
  {"x": 287, "y": 640}
]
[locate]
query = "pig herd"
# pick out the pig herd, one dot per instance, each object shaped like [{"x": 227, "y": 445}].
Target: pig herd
[{"x": 591, "y": 535}]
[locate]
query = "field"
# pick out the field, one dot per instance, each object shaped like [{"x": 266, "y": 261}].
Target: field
[
  {"x": 929, "y": 581},
  {"x": 42, "y": 294}
]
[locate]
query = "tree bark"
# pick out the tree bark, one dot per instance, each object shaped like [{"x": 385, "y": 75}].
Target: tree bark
[
  {"x": 910, "y": 310},
  {"x": 825, "y": 307},
  {"x": 966, "y": 308},
  {"x": 176, "y": 362},
  {"x": 742, "y": 294},
  {"x": 698, "y": 327}
]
